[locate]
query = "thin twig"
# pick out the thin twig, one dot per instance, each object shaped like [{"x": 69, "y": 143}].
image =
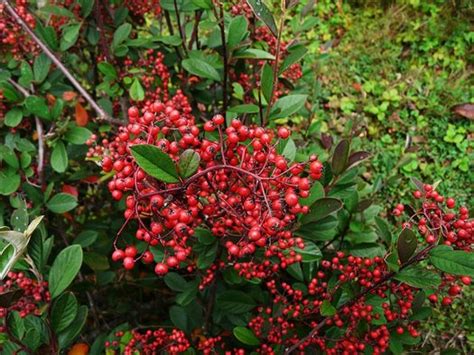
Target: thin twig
[
  {"x": 195, "y": 33},
  {"x": 224, "y": 55},
  {"x": 181, "y": 32},
  {"x": 102, "y": 115}
]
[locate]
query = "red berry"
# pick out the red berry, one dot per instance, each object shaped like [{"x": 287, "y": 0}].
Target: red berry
[
  {"x": 118, "y": 255},
  {"x": 161, "y": 269},
  {"x": 128, "y": 263}
]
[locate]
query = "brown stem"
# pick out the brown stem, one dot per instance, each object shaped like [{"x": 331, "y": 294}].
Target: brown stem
[
  {"x": 195, "y": 33},
  {"x": 275, "y": 67},
  {"x": 224, "y": 55},
  {"x": 180, "y": 29},
  {"x": 100, "y": 111},
  {"x": 416, "y": 258}
]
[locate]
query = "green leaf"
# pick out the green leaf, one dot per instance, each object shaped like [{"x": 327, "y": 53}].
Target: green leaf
[
  {"x": 417, "y": 276},
  {"x": 66, "y": 337},
  {"x": 383, "y": 229},
  {"x": 339, "y": 159},
  {"x": 86, "y": 7},
  {"x": 188, "y": 163},
  {"x": 237, "y": 31},
  {"x": 200, "y": 68},
  {"x": 287, "y": 106},
  {"x": 178, "y": 316},
  {"x": 13, "y": 117},
  {"x": 406, "y": 245},
  {"x": 327, "y": 309},
  {"x": 322, "y": 208},
  {"x": 137, "y": 92},
  {"x": 69, "y": 37},
  {"x": 316, "y": 192},
  {"x": 266, "y": 81},
  {"x": 9, "y": 181},
  {"x": 235, "y": 302},
  {"x": 245, "y": 108},
  {"x": 26, "y": 75},
  {"x": 59, "y": 158},
  {"x": 121, "y": 34},
  {"x": 295, "y": 54},
  {"x": 61, "y": 203},
  {"x": 37, "y": 106},
  {"x": 263, "y": 13},
  {"x": 77, "y": 135},
  {"x": 456, "y": 262},
  {"x": 65, "y": 268},
  {"x": 310, "y": 252},
  {"x": 155, "y": 162},
  {"x": 63, "y": 311},
  {"x": 253, "y": 53},
  {"x": 289, "y": 152},
  {"x": 9, "y": 92},
  {"x": 246, "y": 336},
  {"x": 41, "y": 67},
  {"x": 56, "y": 10},
  {"x": 107, "y": 69},
  {"x": 86, "y": 238},
  {"x": 175, "y": 282}
]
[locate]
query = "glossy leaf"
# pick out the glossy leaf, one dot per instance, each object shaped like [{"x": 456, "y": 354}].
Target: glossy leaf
[
  {"x": 322, "y": 208},
  {"x": 200, "y": 68},
  {"x": 263, "y": 13},
  {"x": 417, "y": 276},
  {"x": 456, "y": 262},
  {"x": 61, "y": 203},
  {"x": 340, "y": 157},
  {"x": 64, "y": 269},
  {"x": 155, "y": 162},
  {"x": 63, "y": 311},
  {"x": 406, "y": 245},
  {"x": 59, "y": 158},
  {"x": 246, "y": 336}
]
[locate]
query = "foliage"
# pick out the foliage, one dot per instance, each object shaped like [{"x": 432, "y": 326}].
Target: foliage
[{"x": 200, "y": 169}]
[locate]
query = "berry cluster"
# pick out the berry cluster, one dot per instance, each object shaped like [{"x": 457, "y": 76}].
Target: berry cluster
[
  {"x": 140, "y": 8},
  {"x": 243, "y": 190},
  {"x": 12, "y": 37},
  {"x": 32, "y": 295},
  {"x": 149, "y": 342}
]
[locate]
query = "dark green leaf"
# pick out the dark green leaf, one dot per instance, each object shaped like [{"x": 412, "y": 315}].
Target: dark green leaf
[
  {"x": 340, "y": 157},
  {"x": 70, "y": 35},
  {"x": 65, "y": 268},
  {"x": 66, "y": 337},
  {"x": 295, "y": 54},
  {"x": 266, "y": 81},
  {"x": 155, "y": 162},
  {"x": 37, "y": 106},
  {"x": 175, "y": 282},
  {"x": 121, "y": 34},
  {"x": 310, "y": 252},
  {"x": 383, "y": 230},
  {"x": 63, "y": 311},
  {"x": 406, "y": 245},
  {"x": 417, "y": 276},
  {"x": 322, "y": 208},
  {"x": 245, "y": 108},
  {"x": 235, "y": 302},
  {"x": 263, "y": 13},
  {"x": 107, "y": 69},
  {"x": 253, "y": 53}
]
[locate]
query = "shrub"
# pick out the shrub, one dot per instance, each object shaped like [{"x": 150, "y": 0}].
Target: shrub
[{"x": 193, "y": 216}]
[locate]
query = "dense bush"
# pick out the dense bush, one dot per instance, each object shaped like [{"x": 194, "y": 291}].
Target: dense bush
[{"x": 173, "y": 181}]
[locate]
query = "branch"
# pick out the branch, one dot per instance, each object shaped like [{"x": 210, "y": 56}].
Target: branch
[
  {"x": 220, "y": 21},
  {"x": 99, "y": 110},
  {"x": 415, "y": 259}
]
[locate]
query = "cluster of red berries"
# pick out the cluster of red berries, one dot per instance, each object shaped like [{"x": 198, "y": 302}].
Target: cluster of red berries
[
  {"x": 12, "y": 37},
  {"x": 149, "y": 342},
  {"x": 438, "y": 222},
  {"x": 32, "y": 294},
  {"x": 143, "y": 7},
  {"x": 243, "y": 190}
]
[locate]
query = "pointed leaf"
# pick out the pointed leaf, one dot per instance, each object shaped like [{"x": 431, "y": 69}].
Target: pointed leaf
[
  {"x": 155, "y": 162},
  {"x": 340, "y": 157},
  {"x": 263, "y": 13},
  {"x": 456, "y": 262},
  {"x": 246, "y": 336},
  {"x": 65, "y": 268},
  {"x": 357, "y": 158},
  {"x": 63, "y": 311},
  {"x": 406, "y": 246},
  {"x": 322, "y": 208},
  {"x": 200, "y": 68}
]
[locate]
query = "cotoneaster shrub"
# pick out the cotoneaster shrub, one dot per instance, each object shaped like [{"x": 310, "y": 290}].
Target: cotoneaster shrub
[{"x": 185, "y": 214}]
